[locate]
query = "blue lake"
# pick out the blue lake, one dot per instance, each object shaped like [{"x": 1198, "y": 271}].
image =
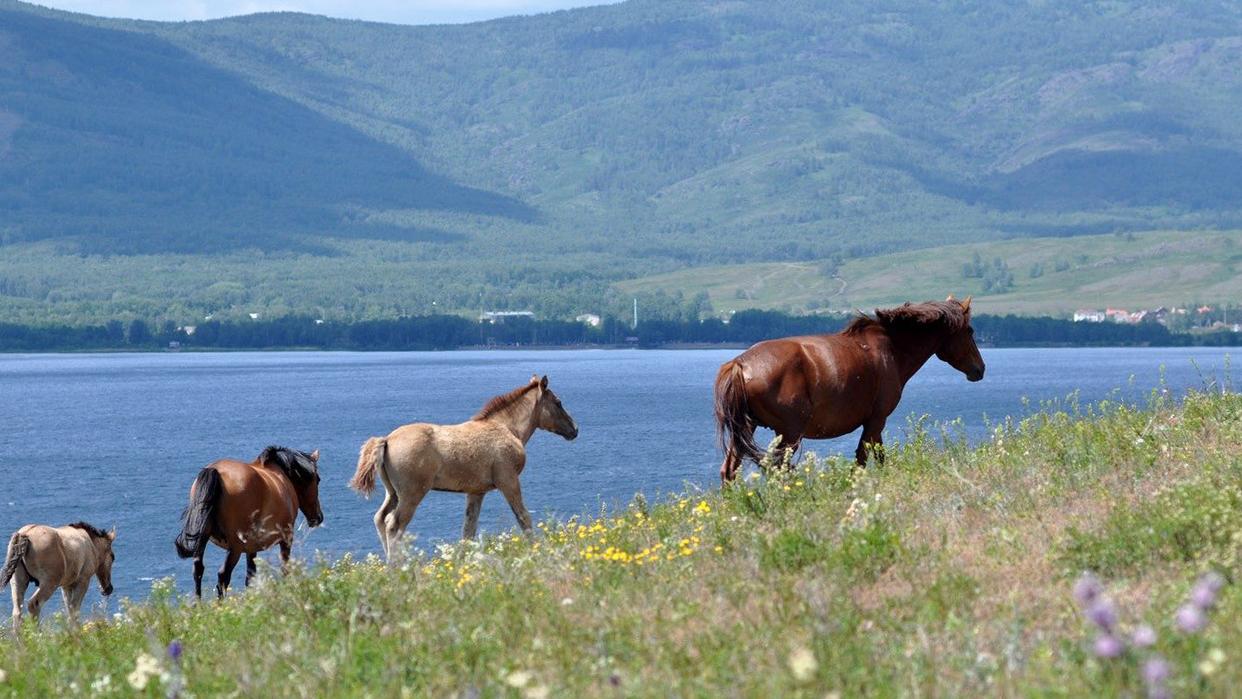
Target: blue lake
[{"x": 116, "y": 439}]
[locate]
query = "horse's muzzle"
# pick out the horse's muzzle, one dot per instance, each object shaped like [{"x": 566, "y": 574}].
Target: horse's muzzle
[
  {"x": 975, "y": 374},
  {"x": 316, "y": 521}
]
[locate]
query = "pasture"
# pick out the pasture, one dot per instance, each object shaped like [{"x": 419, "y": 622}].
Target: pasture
[{"x": 948, "y": 571}]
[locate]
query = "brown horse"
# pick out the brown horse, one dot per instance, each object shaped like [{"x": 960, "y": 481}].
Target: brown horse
[
  {"x": 823, "y": 386},
  {"x": 246, "y": 508},
  {"x": 475, "y": 457},
  {"x": 51, "y": 557}
]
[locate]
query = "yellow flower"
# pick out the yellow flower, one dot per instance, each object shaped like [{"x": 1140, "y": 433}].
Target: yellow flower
[
  {"x": 802, "y": 664},
  {"x": 702, "y": 508}
]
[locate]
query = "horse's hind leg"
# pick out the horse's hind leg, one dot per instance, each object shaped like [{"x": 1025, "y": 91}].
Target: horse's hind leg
[
  {"x": 399, "y": 518},
  {"x": 871, "y": 442},
  {"x": 251, "y": 568},
  {"x": 728, "y": 468},
  {"x": 474, "y": 505},
  {"x": 226, "y": 573},
  {"x": 18, "y": 587},
  {"x": 790, "y": 443},
  {"x": 40, "y": 597},
  {"x": 381, "y": 515}
]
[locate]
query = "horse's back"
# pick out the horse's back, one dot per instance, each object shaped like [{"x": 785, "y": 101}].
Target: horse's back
[
  {"x": 257, "y": 506},
  {"x": 457, "y": 458}
]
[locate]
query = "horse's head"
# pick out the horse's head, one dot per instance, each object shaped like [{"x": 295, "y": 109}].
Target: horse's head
[
  {"x": 958, "y": 348},
  {"x": 307, "y": 487},
  {"x": 550, "y": 414},
  {"x": 103, "y": 549}
]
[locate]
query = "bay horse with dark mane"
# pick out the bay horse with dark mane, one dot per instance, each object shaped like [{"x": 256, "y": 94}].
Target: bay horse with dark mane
[
  {"x": 245, "y": 508},
  {"x": 824, "y": 386}
]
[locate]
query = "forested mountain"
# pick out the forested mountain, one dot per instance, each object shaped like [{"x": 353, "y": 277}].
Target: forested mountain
[{"x": 531, "y": 161}]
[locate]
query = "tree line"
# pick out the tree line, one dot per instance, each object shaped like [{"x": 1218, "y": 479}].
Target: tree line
[{"x": 445, "y": 332}]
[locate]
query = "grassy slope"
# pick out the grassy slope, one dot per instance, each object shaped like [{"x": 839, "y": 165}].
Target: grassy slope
[
  {"x": 947, "y": 572},
  {"x": 1142, "y": 271}
]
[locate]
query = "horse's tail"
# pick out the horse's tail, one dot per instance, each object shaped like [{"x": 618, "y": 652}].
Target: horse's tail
[
  {"x": 370, "y": 459},
  {"x": 197, "y": 519},
  {"x": 734, "y": 424},
  {"x": 19, "y": 544}
]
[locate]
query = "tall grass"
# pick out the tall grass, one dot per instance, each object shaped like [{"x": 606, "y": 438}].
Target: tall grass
[{"x": 946, "y": 572}]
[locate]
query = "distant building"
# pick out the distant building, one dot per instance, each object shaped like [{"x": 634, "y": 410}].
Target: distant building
[
  {"x": 590, "y": 319},
  {"x": 494, "y": 317},
  {"x": 253, "y": 316},
  {"x": 1088, "y": 316},
  {"x": 188, "y": 329}
]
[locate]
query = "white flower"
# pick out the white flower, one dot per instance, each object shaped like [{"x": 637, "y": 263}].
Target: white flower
[
  {"x": 145, "y": 667},
  {"x": 518, "y": 678},
  {"x": 537, "y": 692},
  {"x": 802, "y": 664},
  {"x": 565, "y": 602},
  {"x": 4, "y": 677}
]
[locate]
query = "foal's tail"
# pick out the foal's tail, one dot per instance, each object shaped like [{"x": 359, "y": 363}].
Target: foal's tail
[
  {"x": 18, "y": 546},
  {"x": 734, "y": 424},
  {"x": 197, "y": 519},
  {"x": 370, "y": 460}
]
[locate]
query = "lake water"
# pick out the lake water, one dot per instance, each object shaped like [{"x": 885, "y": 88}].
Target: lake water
[{"x": 116, "y": 439}]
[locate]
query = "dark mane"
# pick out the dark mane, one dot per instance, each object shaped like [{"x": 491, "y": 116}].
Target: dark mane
[
  {"x": 948, "y": 316},
  {"x": 501, "y": 402},
  {"x": 91, "y": 529},
  {"x": 297, "y": 465}
]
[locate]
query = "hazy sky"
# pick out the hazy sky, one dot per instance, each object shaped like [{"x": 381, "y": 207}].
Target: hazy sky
[{"x": 399, "y": 11}]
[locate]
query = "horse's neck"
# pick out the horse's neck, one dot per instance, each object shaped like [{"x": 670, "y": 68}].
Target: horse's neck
[
  {"x": 519, "y": 418},
  {"x": 911, "y": 350}
]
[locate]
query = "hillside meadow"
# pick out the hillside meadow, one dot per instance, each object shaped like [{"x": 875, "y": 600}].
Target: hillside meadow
[{"x": 951, "y": 570}]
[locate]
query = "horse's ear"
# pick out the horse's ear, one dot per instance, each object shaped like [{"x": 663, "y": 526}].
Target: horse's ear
[
  {"x": 543, "y": 383},
  {"x": 950, "y": 298},
  {"x": 966, "y": 304},
  {"x": 315, "y": 456},
  {"x": 112, "y": 534},
  {"x": 534, "y": 378}
]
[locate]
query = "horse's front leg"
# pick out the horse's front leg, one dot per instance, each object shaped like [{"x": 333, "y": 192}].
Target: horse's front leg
[
  {"x": 251, "y": 568},
  {"x": 513, "y": 495},
  {"x": 73, "y": 600},
  {"x": 286, "y": 549},
  {"x": 226, "y": 572},
  {"x": 474, "y": 505},
  {"x": 871, "y": 442}
]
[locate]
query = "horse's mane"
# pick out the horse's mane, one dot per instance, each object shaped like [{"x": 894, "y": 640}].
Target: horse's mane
[
  {"x": 945, "y": 315},
  {"x": 297, "y": 465},
  {"x": 499, "y": 403},
  {"x": 95, "y": 532}
]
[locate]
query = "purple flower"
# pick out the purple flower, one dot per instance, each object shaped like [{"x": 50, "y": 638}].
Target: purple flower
[
  {"x": 1108, "y": 646},
  {"x": 174, "y": 650},
  {"x": 1144, "y": 637},
  {"x": 1155, "y": 671},
  {"x": 1213, "y": 581},
  {"x": 1202, "y": 597},
  {"x": 1190, "y": 619},
  {"x": 1102, "y": 613},
  {"x": 1087, "y": 589}
]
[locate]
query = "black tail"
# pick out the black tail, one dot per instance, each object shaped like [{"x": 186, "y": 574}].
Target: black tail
[
  {"x": 197, "y": 519},
  {"x": 733, "y": 421},
  {"x": 18, "y": 546}
]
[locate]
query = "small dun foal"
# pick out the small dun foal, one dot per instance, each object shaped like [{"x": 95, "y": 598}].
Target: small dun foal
[
  {"x": 52, "y": 557},
  {"x": 487, "y": 453}
]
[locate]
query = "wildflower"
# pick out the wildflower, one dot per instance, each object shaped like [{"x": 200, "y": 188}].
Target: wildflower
[
  {"x": 4, "y": 676},
  {"x": 802, "y": 664},
  {"x": 1103, "y": 614},
  {"x": 518, "y": 679},
  {"x": 1108, "y": 646},
  {"x": 102, "y": 685},
  {"x": 702, "y": 508},
  {"x": 1203, "y": 594},
  {"x": 174, "y": 650},
  {"x": 1207, "y": 668},
  {"x": 566, "y": 601},
  {"x": 537, "y": 692},
  {"x": 1087, "y": 589},
  {"x": 1190, "y": 619},
  {"x": 1155, "y": 672},
  {"x": 145, "y": 668},
  {"x": 1144, "y": 637}
]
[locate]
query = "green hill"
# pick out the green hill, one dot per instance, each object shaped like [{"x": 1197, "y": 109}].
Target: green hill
[{"x": 533, "y": 162}]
